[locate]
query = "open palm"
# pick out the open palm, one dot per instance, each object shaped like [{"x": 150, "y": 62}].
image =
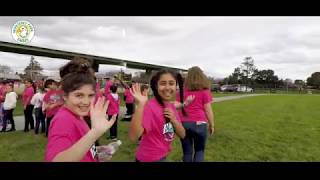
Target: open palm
[
  {"x": 99, "y": 121},
  {"x": 136, "y": 92}
]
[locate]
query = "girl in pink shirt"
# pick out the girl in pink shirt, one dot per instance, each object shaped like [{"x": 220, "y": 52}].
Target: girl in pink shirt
[
  {"x": 113, "y": 110},
  {"x": 156, "y": 120},
  {"x": 27, "y": 106},
  {"x": 128, "y": 98},
  {"x": 2, "y": 97},
  {"x": 109, "y": 83},
  {"x": 198, "y": 118},
  {"x": 70, "y": 137},
  {"x": 99, "y": 93},
  {"x": 52, "y": 101}
]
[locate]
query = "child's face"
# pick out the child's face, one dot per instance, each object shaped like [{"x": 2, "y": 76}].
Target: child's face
[
  {"x": 79, "y": 100},
  {"x": 53, "y": 86},
  {"x": 9, "y": 88},
  {"x": 27, "y": 83},
  {"x": 166, "y": 87}
]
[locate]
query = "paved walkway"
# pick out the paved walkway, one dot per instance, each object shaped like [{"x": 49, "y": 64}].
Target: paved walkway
[
  {"x": 19, "y": 120},
  {"x": 226, "y": 98}
]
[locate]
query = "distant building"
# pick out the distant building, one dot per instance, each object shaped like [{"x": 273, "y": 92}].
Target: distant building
[{"x": 4, "y": 76}]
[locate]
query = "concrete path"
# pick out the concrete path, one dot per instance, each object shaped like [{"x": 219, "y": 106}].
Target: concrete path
[{"x": 226, "y": 98}]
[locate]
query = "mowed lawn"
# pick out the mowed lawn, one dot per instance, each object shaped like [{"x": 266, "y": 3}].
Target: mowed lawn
[
  {"x": 223, "y": 94},
  {"x": 262, "y": 128}
]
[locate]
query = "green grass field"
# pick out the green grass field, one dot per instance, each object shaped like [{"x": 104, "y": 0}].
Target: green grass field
[
  {"x": 223, "y": 94},
  {"x": 262, "y": 128},
  {"x": 18, "y": 111}
]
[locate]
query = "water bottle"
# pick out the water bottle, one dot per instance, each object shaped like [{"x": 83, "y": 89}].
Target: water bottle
[{"x": 112, "y": 147}]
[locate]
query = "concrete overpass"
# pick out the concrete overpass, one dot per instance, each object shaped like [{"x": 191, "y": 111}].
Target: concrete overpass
[{"x": 53, "y": 53}]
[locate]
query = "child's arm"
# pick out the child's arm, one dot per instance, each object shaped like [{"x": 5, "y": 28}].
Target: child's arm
[
  {"x": 44, "y": 106},
  {"x": 99, "y": 126},
  {"x": 54, "y": 105},
  {"x": 28, "y": 100},
  {"x": 210, "y": 116},
  {"x": 179, "y": 129},
  {"x": 125, "y": 85},
  {"x": 136, "y": 128}
]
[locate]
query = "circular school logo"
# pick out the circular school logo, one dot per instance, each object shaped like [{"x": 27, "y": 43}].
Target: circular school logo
[{"x": 22, "y": 31}]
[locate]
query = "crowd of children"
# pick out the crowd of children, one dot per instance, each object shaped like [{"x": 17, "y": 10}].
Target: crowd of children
[{"x": 77, "y": 111}]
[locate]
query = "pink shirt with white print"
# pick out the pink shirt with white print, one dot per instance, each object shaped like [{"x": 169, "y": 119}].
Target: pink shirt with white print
[
  {"x": 52, "y": 97},
  {"x": 66, "y": 129},
  {"x": 195, "y": 110},
  {"x": 114, "y": 104},
  {"x": 153, "y": 145}
]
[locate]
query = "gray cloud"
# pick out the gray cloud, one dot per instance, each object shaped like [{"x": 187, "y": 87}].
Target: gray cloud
[{"x": 289, "y": 45}]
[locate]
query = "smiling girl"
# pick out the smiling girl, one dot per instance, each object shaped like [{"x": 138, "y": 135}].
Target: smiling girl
[
  {"x": 156, "y": 120},
  {"x": 70, "y": 138}
]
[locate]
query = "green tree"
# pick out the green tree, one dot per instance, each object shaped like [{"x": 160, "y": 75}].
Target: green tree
[
  {"x": 314, "y": 80},
  {"x": 33, "y": 70},
  {"x": 235, "y": 77},
  {"x": 266, "y": 78},
  {"x": 247, "y": 68}
]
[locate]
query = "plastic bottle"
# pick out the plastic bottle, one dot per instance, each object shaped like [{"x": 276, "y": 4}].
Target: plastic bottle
[{"x": 112, "y": 147}]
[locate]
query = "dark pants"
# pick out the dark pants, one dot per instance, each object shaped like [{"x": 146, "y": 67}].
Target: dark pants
[
  {"x": 40, "y": 119},
  {"x": 28, "y": 118},
  {"x": 130, "y": 110},
  {"x": 8, "y": 116},
  {"x": 1, "y": 113},
  {"x": 114, "y": 128},
  {"x": 193, "y": 144},
  {"x": 48, "y": 125}
]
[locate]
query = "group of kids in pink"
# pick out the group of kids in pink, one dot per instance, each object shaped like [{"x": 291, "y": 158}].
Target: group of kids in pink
[
  {"x": 79, "y": 112},
  {"x": 8, "y": 102}
]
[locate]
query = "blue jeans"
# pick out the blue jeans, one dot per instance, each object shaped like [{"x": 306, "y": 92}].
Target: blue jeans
[
  {"x": 40, "y": 119},
  {"x": 193, "y": 144}
]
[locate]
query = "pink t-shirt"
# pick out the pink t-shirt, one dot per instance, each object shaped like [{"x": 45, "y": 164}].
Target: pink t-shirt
[
  {"x": 153, "y": 145},
  {"x": 107, "y": 87},
  {"x": 66, "y": 129},
  {"x": 2, "y": 93},
  {"x": 98, "y": 93},
  {"x": 51, "y": 97},
  {"x": 195, "y": 110},
  {"x": 114, "y": 104},
  {"x": 27, "y": 95},
  {"x": 129, "y": 96}
]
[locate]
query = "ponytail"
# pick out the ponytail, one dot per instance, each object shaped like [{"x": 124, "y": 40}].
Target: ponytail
[{"x": 181, "y": 91}]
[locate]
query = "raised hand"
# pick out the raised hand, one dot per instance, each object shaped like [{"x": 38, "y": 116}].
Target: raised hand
[
  {"x": 99, "y": 121},
  {"x": 136, "y": 92}
]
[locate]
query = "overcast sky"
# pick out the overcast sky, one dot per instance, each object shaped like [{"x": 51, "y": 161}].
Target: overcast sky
[{"x": 288, "y": 45}]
